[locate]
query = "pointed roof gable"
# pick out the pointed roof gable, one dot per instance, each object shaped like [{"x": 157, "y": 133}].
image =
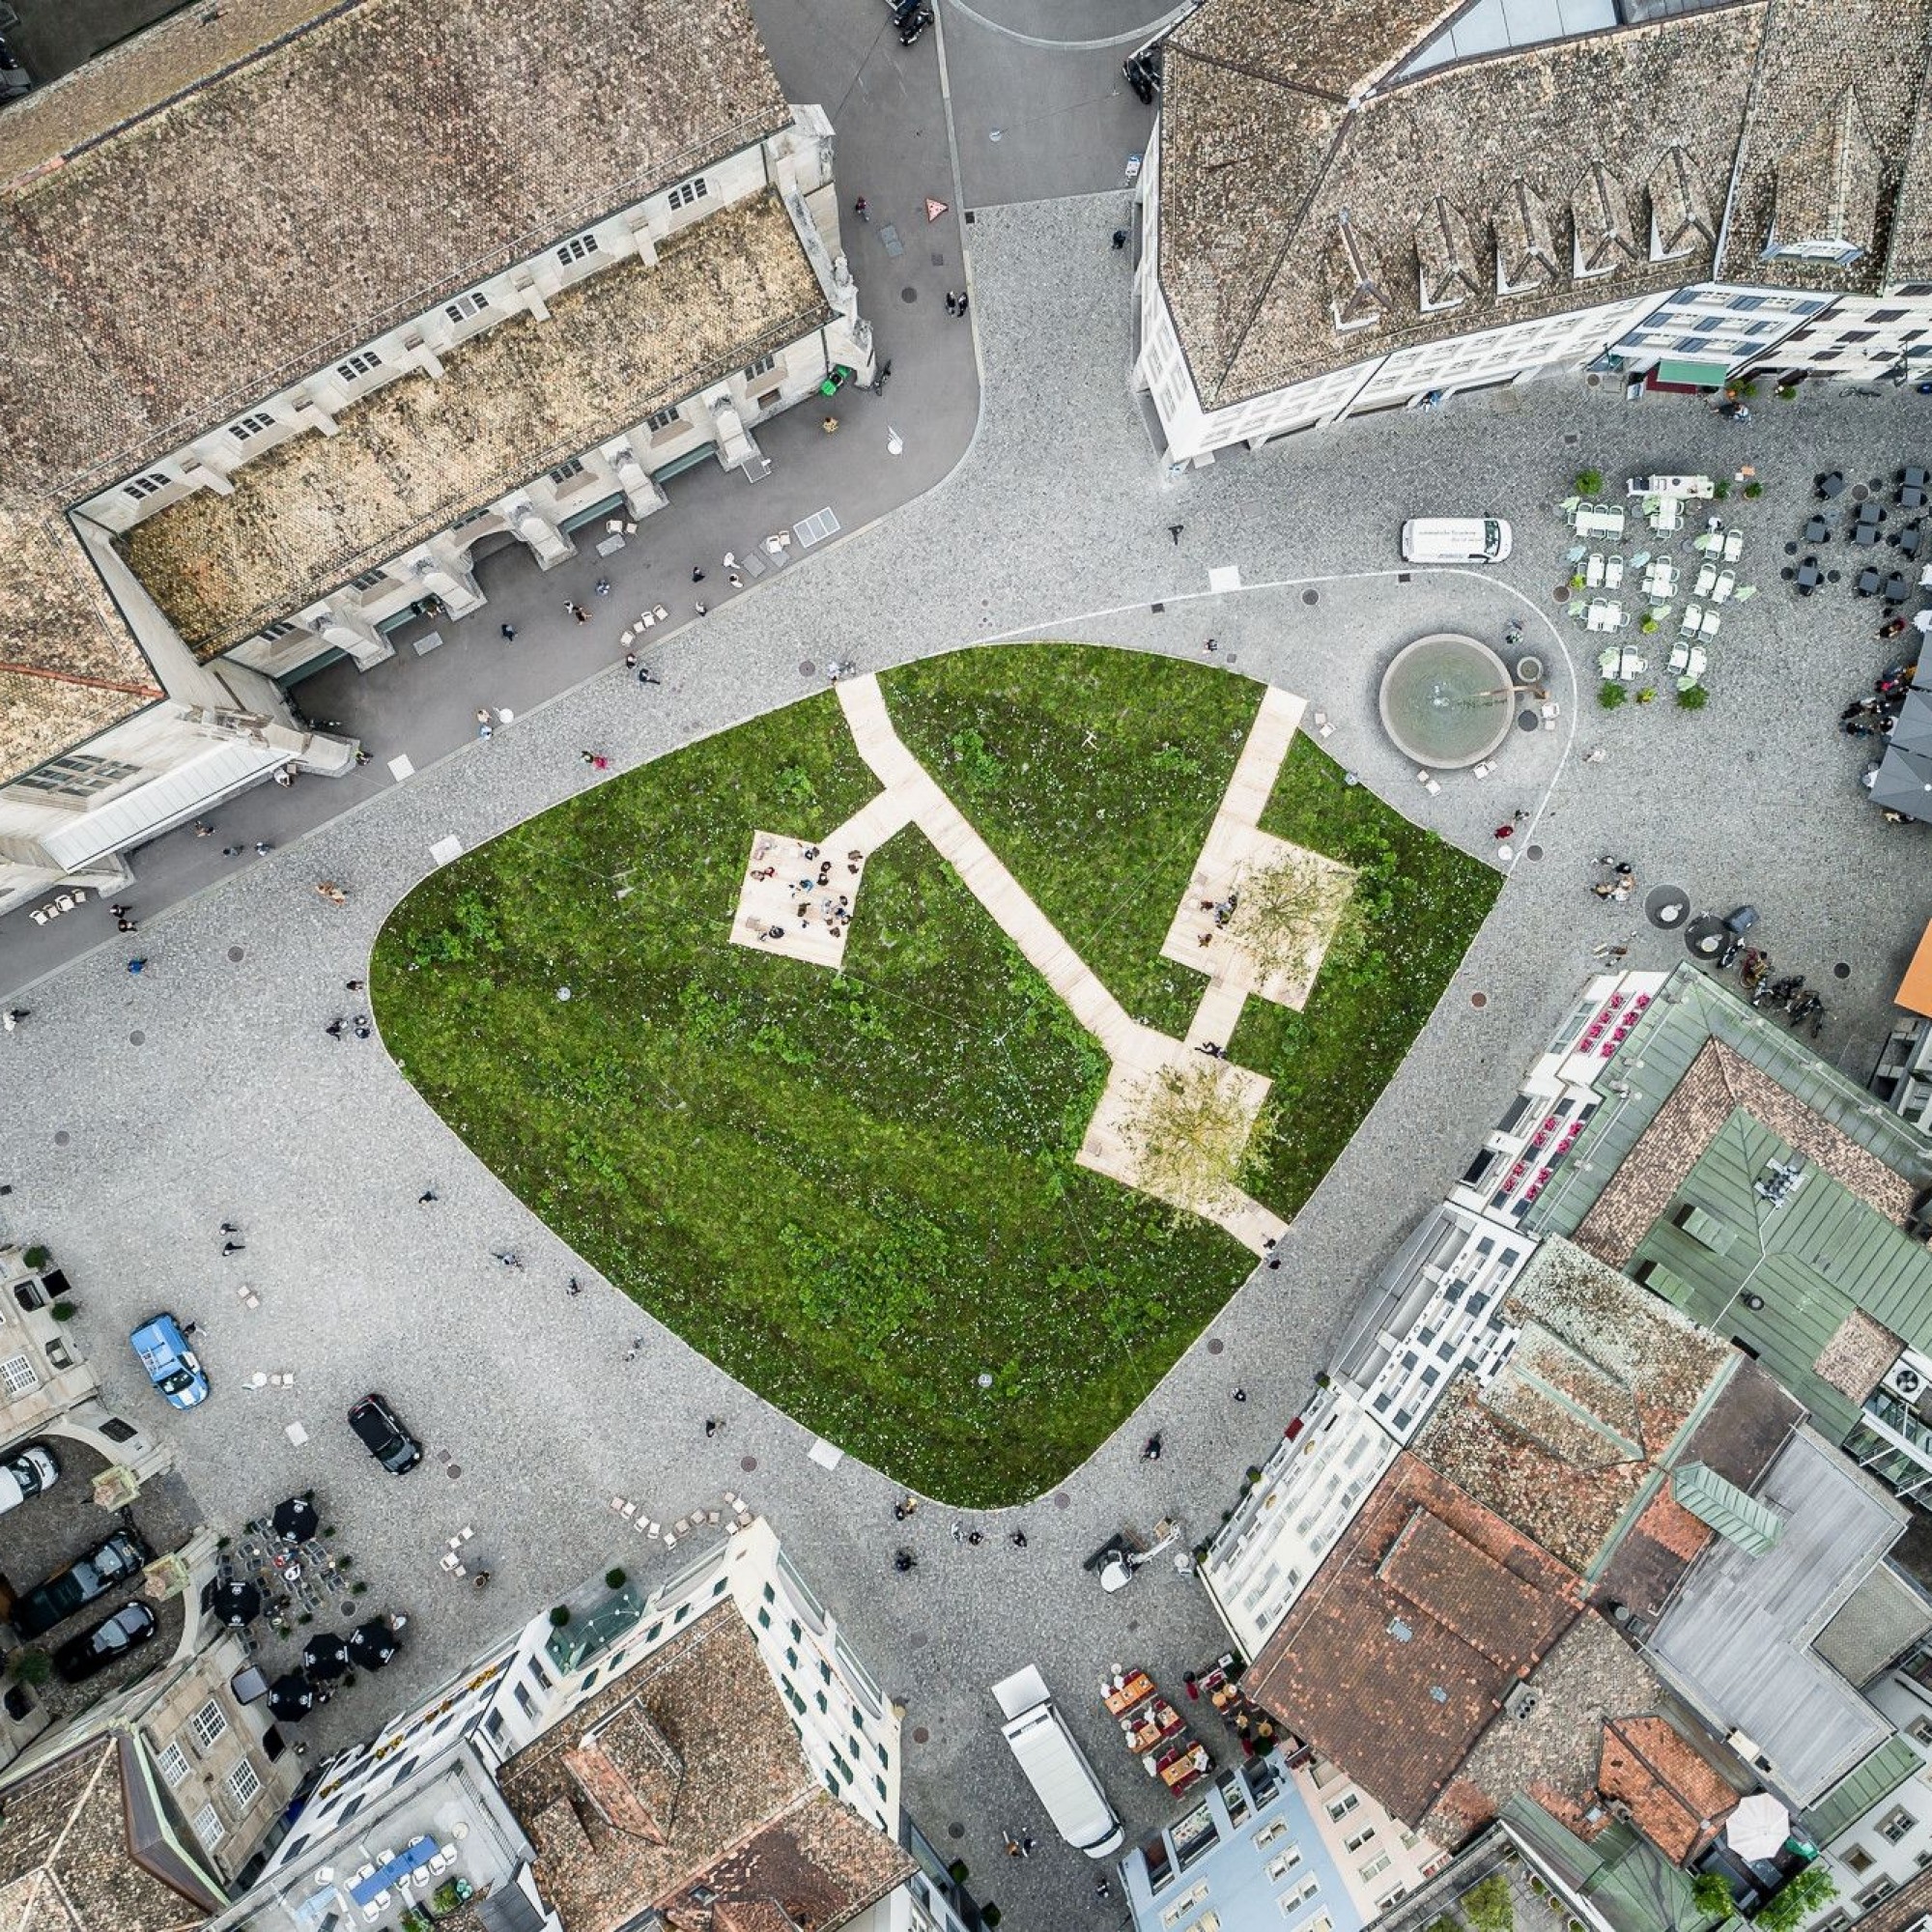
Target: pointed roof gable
[
  {"x": 1525, "y": 240},
  {"x": 1680, "y": 217},
  {"x": 1355, "y": 293},
  {"x": 1826, "y": 200},
  {"x": 1446, "y": 255},
  {"x": 1605, "y": 236}
]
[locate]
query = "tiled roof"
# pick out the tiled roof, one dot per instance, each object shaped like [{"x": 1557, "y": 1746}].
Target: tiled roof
[
  {"x": 1675, "y": 1795},
  {"x": 1569, "y": 1439},
  {"x": 1590, "y": 1675},
  {"x": 65, "y": 1863},
  {"x": 1720, "y": 1081},
  {"x": 1905, "y": 1907},
  {"x": 1857, "y": 1357},
  {"x": 750, "y": 1822},
  {"x": 1560, "y": 157},
  {"x": 1400, "y": 1651},
  {"x": 418, "y": 453},
  {"x": 395, "y": 151}
]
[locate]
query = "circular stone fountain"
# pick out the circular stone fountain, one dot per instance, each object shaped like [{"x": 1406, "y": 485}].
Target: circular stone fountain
[{"x": 1445, "y": 700}]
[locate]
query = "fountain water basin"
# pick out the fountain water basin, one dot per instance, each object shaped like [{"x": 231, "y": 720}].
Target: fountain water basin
[{"x": 1445, "y": 700}]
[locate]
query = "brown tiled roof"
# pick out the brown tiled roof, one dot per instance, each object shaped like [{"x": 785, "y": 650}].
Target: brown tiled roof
[
  {"x": 1561, "y": 157},
  {"x": 750, "y": 1823},
  {"x": 1566, "y": 1440},
  {"x": 1675, "y": 1795},
  {"x": 1715, "y": 1084},
  {"x": 395, "y": 151},
  {"x": 1903, "y": 1908},
  {"x": 65, "y": 1863},
  {"x": 1398, "y": 1653},
  {"x": 1857, "y": 1357},
  {"x": 1552, "y": 1753},
  {"x": 418, "y": 453}
]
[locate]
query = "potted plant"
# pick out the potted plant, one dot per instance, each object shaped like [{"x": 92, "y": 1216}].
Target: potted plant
[
  {"x": 1692, "y": 697},
  {"x": 1610, "y": 694},
  {"x": 1753, "y": 489},
  {"x": 613, "y": 1579},
  {"x": 1587, "y": 482},
  {"x": 36, "y": 1257},
  {"x": 560, "y": 1616}
]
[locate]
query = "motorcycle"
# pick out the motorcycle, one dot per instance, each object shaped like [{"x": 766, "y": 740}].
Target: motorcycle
[{"x": 912, "y": 22}]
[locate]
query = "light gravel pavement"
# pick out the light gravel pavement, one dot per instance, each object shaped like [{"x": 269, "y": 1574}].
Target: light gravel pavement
[{"x": 144, "y": 1112}]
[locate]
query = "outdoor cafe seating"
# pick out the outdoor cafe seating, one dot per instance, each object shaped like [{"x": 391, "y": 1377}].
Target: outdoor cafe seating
[
  {"x": 1817, "y": 530},
  {"x": 1605, "y": 613},
  {"x": 1866, "y": 584},
  {"x": 1910, "y": 539}
]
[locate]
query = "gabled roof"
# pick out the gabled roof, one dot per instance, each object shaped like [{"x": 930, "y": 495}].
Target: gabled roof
[
  {"x": 1606, "y": 238},
  {"x": 1680, "y": 216},
  {"x": 1398, "y": 1653},
  {"x": 1827, "y": 184},
  {"x": 1337, "y": 48},
  {"x": 1674, "y": 1796},
  {"x": 1446, "y": 250},
  {"x": 67, "y": 1861}
]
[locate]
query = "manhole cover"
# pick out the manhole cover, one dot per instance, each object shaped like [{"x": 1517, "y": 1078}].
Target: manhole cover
[
  {"x": 919, "y": 1639},
  {"x": 920, "y": 1735},
  {"x": 1572, "y": 437},
  {"x": 62, "y": 1138},
  {"x": 955, "y": 1831},
  {"x": 1593, "y": 381},
  {"x": 1527, "y": 720},
  {"x": 454, "y": 1470},
  {"x": 1705, "y": 936},
  {"x": 1215, "y": 1347},
  {"x": 1841, "y": 971},
  {"x": 748, "y": 1463},
  {"x": 235, "y": 956},
  {"x": 1667, "y": 906},
  {"x": 1561, "y": 593},
  {"x": 1311, "y": 596},
  {"x": 908, "y": 295},
  {"x": 1860, "y": 492},
  {"x": 1479, "y": 1001},
  {"x": 1532, "y": 851},
  {"x": 1062, "y": 1500},
  {"x": 137, "y": 1039},
  {"x": 808, "y": 669}
]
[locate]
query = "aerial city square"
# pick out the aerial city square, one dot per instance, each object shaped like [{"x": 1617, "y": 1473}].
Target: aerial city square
[{"x": 958, "y": 966}]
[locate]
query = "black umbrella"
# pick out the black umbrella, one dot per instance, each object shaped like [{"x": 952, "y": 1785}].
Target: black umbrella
[
  {"x": 238, "y": 1604},
  {"x": 372, "y": 1645},
  {"x": 295, "y": 1520},
  {"x": 290, "y": 1698},
  {"x": 325, "y": 1657}
]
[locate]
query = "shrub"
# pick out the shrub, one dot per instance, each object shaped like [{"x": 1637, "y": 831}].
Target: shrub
[
  {"x": 38, "y": 1256},
  {"x": 1786, "y": 391},
  {"x": 1692, "y": 697},
  {"x": 1648, "y": 695},
  {"x": 1649, "y": 626},
  {"x": 1744, "y": 391},
  {"x": 1587, "y": 482},
  {"x": 344, "y": 1562},
  {"x": 30, "y": 1666},
  {"x": 306, "y": 1617},
  {"x": 1724, "y": 489},
  {"x": 1797, "y": 1900},
  {"x": 1610, "y": 694},
  {"x": 613, "y": 1579},
  {"x": 1753, "y": 488},
  {"x": 356, "y": 1589},
  {"x": 1487, "y": 1905},
  {"x": 989, "y": 1914},
  {"x": 560, "y": 1616},
  {"x": 957, "y": 1870},
  {"x": 63, "y": 1311}
]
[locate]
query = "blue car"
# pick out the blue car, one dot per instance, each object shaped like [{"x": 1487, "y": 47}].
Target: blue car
[{"x": 171, "y": 1364}]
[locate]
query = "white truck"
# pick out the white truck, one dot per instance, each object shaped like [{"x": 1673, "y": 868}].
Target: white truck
[{"x": 1055, "y": 1766}]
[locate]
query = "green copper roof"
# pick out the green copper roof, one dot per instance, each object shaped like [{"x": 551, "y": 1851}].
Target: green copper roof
[
  {"x": 1747, "y": 1523},
  {"x": 1861, "y": 1788}
]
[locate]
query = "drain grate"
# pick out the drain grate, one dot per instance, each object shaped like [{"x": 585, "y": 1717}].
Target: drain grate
[{"x": 815, "y": 528}]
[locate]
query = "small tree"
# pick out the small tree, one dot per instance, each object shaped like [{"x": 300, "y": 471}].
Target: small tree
[
  {"x": 1753, "y": 488},
  {"x": 1797, "y": 1900},
  {"x": 1487, "y": 1905},
  {"x": 1191, "y": 1136},
  {"x": 1587, "y": 482},
  {"x": 1610, "y": 694},
  {"x": 560, "y": 1616},
  {"x": 613, "y": 1579},
  {"x": 1723, "y": 488},
  {"x": 1786, "y": 391},
  {"x": 1692, "y": 697},
  {"x": 38, "y": 1256},
  {"x": 1712, "y": 1895},
  {"x": 1285, "y": 911}
]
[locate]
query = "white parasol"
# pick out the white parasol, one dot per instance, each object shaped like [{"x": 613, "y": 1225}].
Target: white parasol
[{"x": 1759, "y": 1827}]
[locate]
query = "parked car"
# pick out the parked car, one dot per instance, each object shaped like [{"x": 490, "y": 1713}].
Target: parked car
[
  {"x": 172, "y": 1366},
  {"x": 384, "y": 1435},
  {"x": 83, "y": 1579},
  {"x": 25, "y": 1473},
  {"x": 100, "y": 1644}
]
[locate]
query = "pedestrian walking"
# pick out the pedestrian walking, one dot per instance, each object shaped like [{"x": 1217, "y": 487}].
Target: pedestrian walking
[
  {"x": 334, "y": 1028},
  {"x": 736, "y": 582},
  {"x": 976, "y": 1537},
  {"x": 362, "y": 1027},
  {"x": 508, "y": 633},
  {"x": 952, "y": 303},
  {"x": 636, "y": 1350},
  {"x": 828, "y": 425},
  {"x": 428, "y": 1195},
  {"x": 484, "y": 728},
  {"x": 1174, "y": 531},
  {"x": 1026, "y": 1844},
  {"x": 646, "y": 675},
  {"x": 1240, "y": 1395},
  {"x": 573, "y": 1285},
  {"x": 860, "y": 208},
  {"x": 126, "y": 926},
  {"x": 1119, "y": 238},
  {"x": 263, "y": 848},
  {"x": 1018, "y": 1539},
  {"x": 1594, "y": 755},
  {"x": 1150, "y": 1448},
  {"x": 629, "y": 660},
  {"x": 137, "y": 967},
  {"x": 1519, "y": 816},
  {"x": 117, "y": 912},
  {"x": 602, "y": 587},
  {"x": 596, "y": 761},
  {"x": 1208, "y": 647},
  {"x": 958, "y": 1534},
  {"x": 699, "y": 608},
  {"x": 506, "y": 1258},
  {"x": 1013, "y": 1845},
  {"x": 481, "y": 1580},
  {"x": 234, "y": 1247},
  {"x": 231, "y": 1228},
  {"x": 581, "y": 615},
  {"x": 354, "y": 985},
  {"x": 903, "y": 1561},
  {"x": 698, "y": 573},
  {"x": 962, "y": 309},
  {"x": 712, "y": 1425}
]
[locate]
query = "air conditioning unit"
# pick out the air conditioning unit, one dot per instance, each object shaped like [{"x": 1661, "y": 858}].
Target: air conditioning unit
[{"x": 1909, "y": 1377}]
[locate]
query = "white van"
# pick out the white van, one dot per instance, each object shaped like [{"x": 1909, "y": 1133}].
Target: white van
[
  {"x": 1455, "y": 540},
  {"x": 1061, "y": 1778}
]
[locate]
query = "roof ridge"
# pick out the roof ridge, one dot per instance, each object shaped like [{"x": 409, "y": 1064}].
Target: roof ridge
[{"x": 82, "y": 683}]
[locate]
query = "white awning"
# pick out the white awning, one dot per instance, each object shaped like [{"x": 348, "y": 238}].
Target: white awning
[
  {"x": 1759, "y": 1827},
  {"x": 226, "y": 766}
]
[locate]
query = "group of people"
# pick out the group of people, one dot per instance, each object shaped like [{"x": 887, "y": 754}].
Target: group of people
[
  {"x": 1619, "y": 885},
  {"x": 1876, "y": 715},
  {"x": 834, "y": 910}
]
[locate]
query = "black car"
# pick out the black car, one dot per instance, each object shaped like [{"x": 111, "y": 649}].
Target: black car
[
  {"x": 97, "y": 1647},
  {"x": 384, "y": 1434},
  {"x": 83, "y": 1579}
]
